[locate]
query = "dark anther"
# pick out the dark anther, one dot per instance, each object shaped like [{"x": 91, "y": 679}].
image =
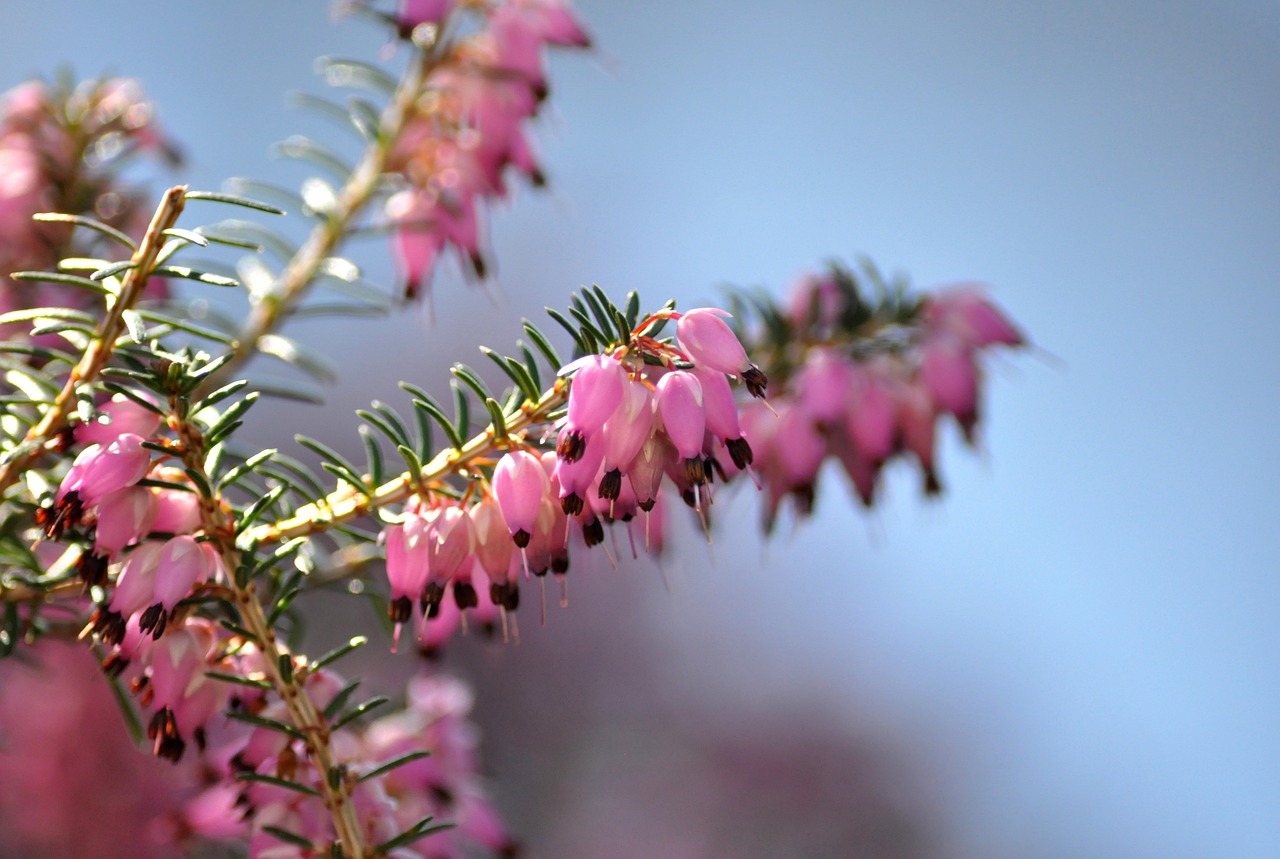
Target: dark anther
[
  {"x": 521, "y": 538},
  {"x": 498, "y": 594},
  {"x": 66, "y": 511},
  {"x": 646, "y": 506},
  {"x": 432, "y": 594},
  {"x": 611, "y": 484},
  {"x": 92, "y": 569},
  {"x": 592, "y": 533},
  {"x": 739, "y": 452},
  {"x": 400, "y": 609},
  {"x": 804, "y": 496},
  {"x": 153, "y": 620},
  {"x": 163, "y": 729},
  {"x": 64, "y": 439},
  {"x": 560, "y": 563},
  {"x": 114, "y": 665},
  {"x": 571, "y": 445},
  {"x": 109, "y": 625},
  {"x": 571, "y": 504},
  {"x": 755, "y": 381},
  {"x": 465, "y": 595},
  {"x": 695, "y": 470}
]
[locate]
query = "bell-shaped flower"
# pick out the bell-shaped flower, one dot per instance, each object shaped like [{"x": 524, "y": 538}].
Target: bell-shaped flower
[
  {"x": 449, "y": 544},
  {"x": 124, "y": 517},
  {"x": 407, "y": 567},
  {"x": 647, "y": 469},
  {"x": 183, "y": 563},
  {"x": 679, "y": 400},
  {"x": 967, "y": 312},
  {"x": 493, "y": 548},
  {"x": 800, "y": 448},
  {"x": 919, "y": 415},
  {"x": 177, "y": 510},
  {"x": 872, "y": 419},
  {"x": 576, "y": 477},
  {"x": 948, "y": 371},
  {"x": 136, "y": 584},
  {"x": 118, "y": 416},
  {"x": 625, "y": 433},
  {"x": 824, "y": 385},
  {"x": 519, "y": 486},
  {"x": 710, "y": 342},
  {"x": 721, "y": 411},
  {"x": 594, "y": 394},
  {"x": 102, "y": 469}
]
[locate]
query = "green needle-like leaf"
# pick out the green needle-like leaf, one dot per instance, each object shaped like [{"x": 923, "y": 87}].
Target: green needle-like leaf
[{"x": 233, "y": 200}]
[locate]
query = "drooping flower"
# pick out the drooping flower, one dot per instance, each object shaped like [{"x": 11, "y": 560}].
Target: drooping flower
[
  {"x": 520, "y": 485},
  {"x": 709, "y": 342}
]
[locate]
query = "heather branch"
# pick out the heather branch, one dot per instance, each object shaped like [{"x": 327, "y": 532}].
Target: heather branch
[
  {"x": 42, "y": 436},
  {"x": 343, "y": 506},
  {"x": 301, "y": 270},
  {"x": 219, "y": 525}
]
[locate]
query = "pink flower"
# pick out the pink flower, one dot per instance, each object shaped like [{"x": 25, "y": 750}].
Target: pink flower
[
  {"x": 679, "y": 399},
  {"x": 100, "y": 470},
  {"x": 185, "y": 699},
  {"x": 407, "y": 567},
  {"x": 575, "y": 477},
  {"x": 948, "y": 371},
  {"x": 710, "y": 342},
  {"x": 919, "y": 416},
  {"x": 721, "y": 411},
  {"x": 967, "y": 313},
  {"x": 122, "y": 415},
  {"x": 872, "y": 420},
  {"x": 824, "y": 385},
  {"x": 183, "y": 563},
  {"x": 493, "y": 548},
  {"x": 177, "y": 511},
  {"x": 519, "y": 486},
  {"x": 449, "y": 543},
  {"x": 124, "y": 517},
  {"x": 625, "y": 433},
  {"x": 594, "y": 394}
]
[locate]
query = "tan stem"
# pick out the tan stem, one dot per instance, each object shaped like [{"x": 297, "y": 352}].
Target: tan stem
[
  {"x": 219, "y": 524},
  {"x": 300, "y": 272},
  {"x": 345, "y": 505},
  {"x": 39, "y": 438}
]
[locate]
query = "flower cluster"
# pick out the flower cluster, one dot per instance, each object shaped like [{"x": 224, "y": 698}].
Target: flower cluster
[
  {"x": 867, "y": 383},
  {"x": 67, "y": 754},
  {"x": 145, "y": 534},
  {"x": 467, "y": 128},
  {"x": 55, "y": 150},
  {"x": 636, "y": 417}
]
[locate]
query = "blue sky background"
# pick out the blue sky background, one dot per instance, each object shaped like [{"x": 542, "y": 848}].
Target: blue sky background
[{"x": 1078, "y": 647}]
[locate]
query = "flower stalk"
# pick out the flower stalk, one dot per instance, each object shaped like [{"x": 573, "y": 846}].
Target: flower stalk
[
  {"x": 219, "y": 525},
  {"x": 300, "y": 272},
  {"x": 40, "y": 437}
]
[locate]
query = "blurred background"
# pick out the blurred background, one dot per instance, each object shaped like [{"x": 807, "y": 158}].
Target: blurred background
[{"x": 1075, "y": 653}]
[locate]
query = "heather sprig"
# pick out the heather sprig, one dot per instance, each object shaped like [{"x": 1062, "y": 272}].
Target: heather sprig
[{"x": 132, "y": 519}]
